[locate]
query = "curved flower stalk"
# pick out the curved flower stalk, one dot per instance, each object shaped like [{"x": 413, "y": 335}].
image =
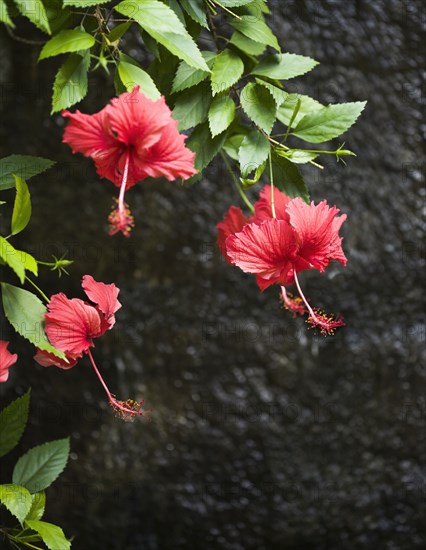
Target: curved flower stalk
[
  {"x": 7, "y": 359},
  {"x": 276, "y": 248},
  {"x": 72, "y": 324},
  {"x": 129, "y": 140}
]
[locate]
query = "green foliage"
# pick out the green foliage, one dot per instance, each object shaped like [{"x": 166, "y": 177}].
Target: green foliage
[
  {"x": 67, "y": 41},
  {"x": 246, "y": 44},
  {"x": 17, "y": 500},
  {"x": 227, "y": 70},
  {"x": 254, "y": 150},
  {"x": 204, "y": 145},
  {"x": 37, "y": 506},
  {"x": 23, "y": 166},
  {"x": 4, "y": 14},
  {"x": 132, "y": 75},
  {"x": 192, "y": 107},
  {"x": 259, "y": 105},
  {"x": 35, "y": 12},
  {"x": 187, "y": 76},
  {"x": 306, "y": 105},
  {"x": 195, "y": 10},
  {"x": 22, "y": 207},
  {"x": 256, "y": 30},
  {"x": 84, "y": 3},
  {"x": 284, "y": 66},
  {"x": 221, "y": 114},
  {"x": 70, "y": 84},
  {"x": 52, "y": 535},
  {"x": 13, "y": 420},
  {"x": 288, "y": 178}
]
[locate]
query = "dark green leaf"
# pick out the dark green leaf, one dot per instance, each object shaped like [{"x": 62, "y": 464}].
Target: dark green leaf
[
  {"x": 221, "y": 114},
  {"x": 187, "y": 76},
  {"x": 195, "y": 10},
  {"x": 306, "y": 105},
  {"x": 247, "y": 45},
  {"x": 67, "y": 41},
  {"x": 288, "y": 179},
  {"x": 227, "y": 70},
  {"x": 52, "y": 535},
  {"x": 259, "y": 105},
  {"x": 253, "y": 152},
  {"x": 16, "y": 499},
  {"x": 284, "y": 66},
  {"x": 40, "y": 466},
  {"x": 256, "y": 30},
  {"x": 132, "y": 75},
  {"x": 279, "y": 95},
  {"x": 57, "y": 15},
  {"x": 205, "y": 147},
  {"x": 328, "y": 122},
  {"x": 36, "y": 13},
  {"x": 22, "y": 206},
  {"x": 13, "y": 420},
  {"x": 25, "y": 312},
  {"x": 24, "y": 166},
  {"x": 117, "y": 32},
  {"x": 70, "y": 84},
  {"x": 192, "y": 107}
]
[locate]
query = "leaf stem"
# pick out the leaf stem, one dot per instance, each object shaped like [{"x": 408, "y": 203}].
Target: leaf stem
[
  {"x": 37, "y": 288},
  {"x": 271, "y": 177},
  {"x": 237, "y": 185}
]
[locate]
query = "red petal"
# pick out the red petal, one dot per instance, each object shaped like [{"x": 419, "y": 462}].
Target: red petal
[
  {"x": 46, "y": 359},
  {"x": 71, "y": 324},
  {"x": 262, "y": 207},
  {"x": 232, "y": 223},
  {"x": 104, "y": 296},
  {"x": 7, "y": 359}
]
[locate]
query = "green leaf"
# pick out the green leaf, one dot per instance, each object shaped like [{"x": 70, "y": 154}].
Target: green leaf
[
  {"x": 52, "y": 535},
  {"x": 234, "y": 3},
  {"x": 161, "y": 22},
  {"x": 247, "y": 45},
  {"x": 247, "y": 183},
  {"x": 227, "y": 70},
  {"x": 37, "y": 506},
  {"x": 257, "y": 30},
  {"x": 205, "y": 147},
  {"x": 117, "y": 32},
  {"x": 30, "y": 263},
  {"x": 221, "y": 114},
  {"x": 67, "y": 41},
  {"x": 40, "y": 466},
  {"x": 132, "y": 75},
  {"x": 253, "y": 152},
  {"x": 329, "y": 122},
  {"x": 25, "y": 312},
  {"x": 232, "y": 145},
  {"x": 16, "y": 499},
  {"x": 23, "y": 166},
  {"x": 284, "y": 66},
  {"x": 22, "y": 206},
  {"x": 259, "y": 105},
  {"x": 70, "y": 84},
  {"x": 4, "y": 15},
  {"x": 12, "y": 258},
  {"x": 57, "y": 15},
  {"x": 13, "y": 420},
  {"x": 35, "y": 11},
  {"x": 84, "y": 3},
  {"x": 187, "y": 76},
  {"x": 279, "y": 95},
  {"x": 307, "y": 105},
  {"x": 288, "y": 178},
  {"x": 297, "y": 156},
  {"x": 195, "y": 10},
  {"x": 192, "y": 107}
]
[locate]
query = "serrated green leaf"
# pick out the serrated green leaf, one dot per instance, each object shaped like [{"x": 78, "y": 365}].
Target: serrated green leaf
[
  {"x": 328, "y": 122},
  {"x": 57, "y": 15},
  {"x": 161, "y": 22},
  {"x": 12, "y": 258},
  {"x": 38, "y": 468},
  {"x": 30, "y": 263},
  {"x": 70, "y": 84},
  {"x": 22, "y": 206},
  {"x": 288, "y": 178},
  {"x": 256, "y": 30},
  {"x": 307, "y": 105},
  {"x": 13, "y": 420},
  {"x": 24, "y": 166},
  {"x": 195, "y": 10},
  {"x": 296, "y": 156},
  {"x": 25, "y": 312},
  {"x": 175, "y": 6},
  {"x": 52, "y": 535},
  {"x": 221, "y": 114},
  {"x": 279, "y": 95},
  {"x": 227, "y": 70},
  {"x": 117, "y": 32},
  {"x": 4, "y": 15},
  {"x": 192, "y": 107},
  {"x": 254, "y": 150},
  {"x": 204, "y": 146},
  {"x": 187, "y": 76},
  {"x": 84, "y": 3},
  {"x": 247, "y": 45},
  {"x": 16, "y": 499},
  {"x": 67, "y": 41},
  {"x": 35, "y": 12},
  {"x": 132, "y": 75},
  {"x": 284, "y": 66},
  {"x": 232, "y": 145},
  {"x": 259, "y": 105},
  {"x": 37, "y": 506}
]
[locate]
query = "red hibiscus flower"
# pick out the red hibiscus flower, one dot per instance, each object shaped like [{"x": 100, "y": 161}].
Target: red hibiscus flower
[
  {"x": 72, "y": 324},
  {"x": 130, "y": 139},
  {"x": 275, "y": 248},
  {"x": 7, "y": 359}
]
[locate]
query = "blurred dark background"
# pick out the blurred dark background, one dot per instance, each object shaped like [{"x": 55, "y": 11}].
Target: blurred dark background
[{"x": 263, "y": 435}]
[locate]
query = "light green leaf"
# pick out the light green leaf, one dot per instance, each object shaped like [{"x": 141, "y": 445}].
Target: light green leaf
[
  {"x": 12, "y": 258},
  {"x": 297, "y": 156},
  {"x": 4, "y": 15},
  {"x": 192, "y": 107},
  {"x": 187, "y": 76},
  {"x": 247, "y": 183},
  {"x": 25, "y": 312},
  {"x": 30, "y": 263},
  {"x": 279, "y": 95},
  {"x": 22, "y": 206},
  {"x": 227, "y": 70},
  {"x": 307, "y": 105},
  {"x": 161, "y": 22},
  {"x": 35, "y": 11},
  {"x": 232, "y": 145},
  {"x": 84, "y": 3},
  {"x": 253, "y": 152},
  {"x": 67, "y": 41},
  {"x": 70, "y": 84},
  {"x": 288, "y": 178},
  {"x": 259, "y": 105},
  {"x": 37, "y": 506},
  {"x": 257, "y": 30},
  {"x": 205, "y": 147},
  {"x": 52, "y": 535},
  {"x": 284, "y": 66},
  {"x": 24, "y": 166},
  {"x": 328, "y": 122},
  {"x": 234, "y": 3},
  {"x": 247, "y": 45},
  {"x": 132, "y": 75},
  {"x": 13, "y": 420},
  {"x": 40, "y": 466},
  {"x": 16, "y": 499},
  {"x": 221, "y": 114},
  {"x": 195, "y": 10}
]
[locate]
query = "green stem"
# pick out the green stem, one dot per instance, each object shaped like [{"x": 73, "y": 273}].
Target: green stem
[
  {"x": 237, "y": 185},
  {"x": 226, "y": 9},
  {"x": 271, "y": 177},
  {"x": 37, "y": 288}
]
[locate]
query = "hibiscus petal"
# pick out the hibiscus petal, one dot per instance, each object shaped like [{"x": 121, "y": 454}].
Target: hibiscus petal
[
  {"x": 71, "y": 324},
  {"x": 268, "y": 250},
  {"x": 263, "y": 209},
  {"x": 7, "y": 359},
  {"x": 232, "y": 223},
  {"x": 104, "y": 296},
  {"x": 46, "y": 359}
]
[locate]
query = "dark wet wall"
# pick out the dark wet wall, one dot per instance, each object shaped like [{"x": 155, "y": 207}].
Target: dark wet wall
[{"x": 263, "y": 435}]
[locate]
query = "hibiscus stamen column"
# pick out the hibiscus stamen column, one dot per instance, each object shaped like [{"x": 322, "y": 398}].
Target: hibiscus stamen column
[
  {"x": 326, "y": 323},
  {"x": 120, "y": 218}
]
